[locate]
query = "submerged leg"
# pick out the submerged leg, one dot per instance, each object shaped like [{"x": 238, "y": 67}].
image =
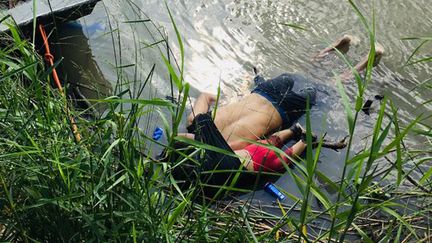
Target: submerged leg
[
  {"x": 341, "y": 45},
  {"x": 379, "y": 51}
]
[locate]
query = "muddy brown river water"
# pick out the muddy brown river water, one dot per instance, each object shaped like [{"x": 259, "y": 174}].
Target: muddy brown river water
[{"x": 224, "y": 39}]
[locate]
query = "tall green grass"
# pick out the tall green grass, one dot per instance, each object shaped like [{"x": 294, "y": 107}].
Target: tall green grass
[{"x": 109, "y": 188}]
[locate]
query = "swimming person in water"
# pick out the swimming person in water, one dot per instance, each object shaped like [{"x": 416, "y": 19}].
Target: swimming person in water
[{"x": 272, "y": 105}]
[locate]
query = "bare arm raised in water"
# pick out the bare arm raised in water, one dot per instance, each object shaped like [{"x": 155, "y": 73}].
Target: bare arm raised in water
[{"x": 202, "y": 105}]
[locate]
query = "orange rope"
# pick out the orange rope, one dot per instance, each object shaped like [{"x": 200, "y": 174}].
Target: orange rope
[{"x": 50, "y": 59}]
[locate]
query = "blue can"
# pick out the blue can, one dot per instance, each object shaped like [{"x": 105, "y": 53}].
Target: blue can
[{"x": 272, "y": 190}]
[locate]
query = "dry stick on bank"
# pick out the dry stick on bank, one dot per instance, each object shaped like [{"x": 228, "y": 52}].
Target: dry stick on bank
[{"x": 50, "y": 59}]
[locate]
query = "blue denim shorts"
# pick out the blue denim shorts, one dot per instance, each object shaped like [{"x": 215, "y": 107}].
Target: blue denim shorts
[{"x": 289, "y": 102}]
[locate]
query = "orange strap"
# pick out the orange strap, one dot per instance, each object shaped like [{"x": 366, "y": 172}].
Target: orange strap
[{"x": 50, "y": 59}]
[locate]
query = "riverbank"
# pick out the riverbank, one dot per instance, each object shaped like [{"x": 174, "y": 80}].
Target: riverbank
[{"x": 108, "y": 188}]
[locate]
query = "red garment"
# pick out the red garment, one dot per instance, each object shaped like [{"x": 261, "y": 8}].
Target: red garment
[{"x": 267, "y": 158}]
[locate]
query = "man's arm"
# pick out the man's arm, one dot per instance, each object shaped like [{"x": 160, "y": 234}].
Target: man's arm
[{"x": 202, "y": 105}]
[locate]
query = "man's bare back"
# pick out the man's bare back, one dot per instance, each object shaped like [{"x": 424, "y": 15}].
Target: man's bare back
[{"x": 250, "y": 118}]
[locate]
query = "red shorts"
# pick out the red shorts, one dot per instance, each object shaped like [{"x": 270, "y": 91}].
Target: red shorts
[{"x": 267, "y": 158}]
